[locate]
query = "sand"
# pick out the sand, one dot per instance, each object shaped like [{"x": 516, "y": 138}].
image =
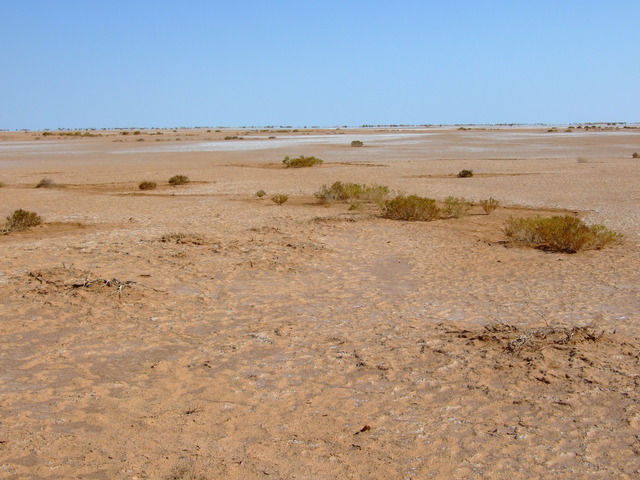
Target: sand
[{"x": 201, "y": 332}]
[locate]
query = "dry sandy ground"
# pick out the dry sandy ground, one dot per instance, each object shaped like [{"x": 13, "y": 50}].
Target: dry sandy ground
[{"x": 199, "y": 332}]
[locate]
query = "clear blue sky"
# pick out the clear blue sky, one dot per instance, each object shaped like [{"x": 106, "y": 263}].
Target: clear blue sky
[{"x": 84, "y": 64}]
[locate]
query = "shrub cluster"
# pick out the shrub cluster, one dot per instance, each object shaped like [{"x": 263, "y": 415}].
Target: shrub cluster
[
  {"x": 179, "y": 180},
  {"x": 146, "y": 185},
  {"x": 301, "y": 162},
  {"x": 346, "y": 191},
  {"x": 565, "y": 234},
  {"x": 21, "y": 220}
]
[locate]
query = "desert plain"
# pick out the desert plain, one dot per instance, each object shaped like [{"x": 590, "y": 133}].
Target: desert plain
[{"x": 199, "y": 331}]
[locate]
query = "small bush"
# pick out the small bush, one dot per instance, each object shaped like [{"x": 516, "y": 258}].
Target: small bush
[
  {"x": 489, "y": 205},
  {"x": 21, "y": 220},
  {"x": 260, "y": 193},
  {"x": 46, "y": 183},
  {"x": 179, "y": 180},
  {"x": 301, "y": 162},
  {"x": 279, "y": 198},
  {"x": 455, "y": 207},
  {"x": 635, "y": 155},
  {"x": 465, "y": 173},
  {"x": 413, "y": 208},
  {"x": 357, "y": 143},
  {"x": 146, "y": 185},
  {"x": 2, "y": 184},
  {"x": 559, "y": 234}
]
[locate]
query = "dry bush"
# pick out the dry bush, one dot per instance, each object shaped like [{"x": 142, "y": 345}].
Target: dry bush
[
  {"x": 46, "y": 183},
  {"x": 2, "y": 184},
  {"x": 179, "y": 180},
  {"x": 279, "y": 198},
  {"x": 489, "y": 205},
  {"x": 354, "y": 192},
  {"x": 146, "y": 185},
  {"x": 357, "y": 143},
  {"x": 455, "y": 207},
  {"x": 465, "y": 173},
  {"x": 301, "y": 162},
  {"x": 635, "y": 155},
  {"x": 559, "y": 234},
  {"x": 21, "y": 220},
  {"x": 412, "y": 208},
  {"x": 260, "y": 193}
]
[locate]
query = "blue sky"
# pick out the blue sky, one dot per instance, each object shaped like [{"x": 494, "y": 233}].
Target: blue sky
[{"x": 95, "y": 64}]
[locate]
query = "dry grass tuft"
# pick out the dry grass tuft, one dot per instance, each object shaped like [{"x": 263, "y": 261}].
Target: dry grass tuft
[
  {"x": 559, "y": 234},
  {"x": 489, "y": 205},
  {"x": 455, "y": 207},
  {"x": 46, "y": 183}
]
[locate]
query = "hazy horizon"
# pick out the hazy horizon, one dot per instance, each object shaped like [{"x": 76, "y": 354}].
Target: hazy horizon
[{"x": 74, "y": 65}]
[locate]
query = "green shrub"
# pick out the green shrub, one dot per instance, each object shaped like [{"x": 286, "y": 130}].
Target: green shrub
[
  {"x": 179, "y": 180},
  {"x": 357, "y": 143},
  {"x": 279, "y": 198},
  {"x": 489, "y": 205},
  {"x": 260, "y": 193},
  {"x": 565, "y": 234},
  {"x": 146, "y": 185},
  {"x": 301, "y": 162},
  {"x": 413, "y": 208},
  {"x": 465, "y": 173},
  {"x": 455, "y": 207},
  {"x": 21, "y": 220}
]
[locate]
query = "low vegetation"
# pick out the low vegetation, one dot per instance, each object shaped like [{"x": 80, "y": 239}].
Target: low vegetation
[
  {"x": 46, "y": 183},
  {"x": 489, "y": 205},
  {"x": 260, "y": 193},
  {"x": 301, "y": 162},
  {"x": 352, "y": 192},
  {"x": 455, "y": 207},
  {"x": 147, "y": 185},
  {"x": 179, "y": 180},
  {"x": 565, "y": 234},
  {"x": 411, "y": 208},
  {"x": 635, "y": 155},
  {"x": 357, "y": 143},
  {"x": 21, "y": 220},
  {"x": 279, "y": 198},
  {"x": 465, "y": 173}
]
